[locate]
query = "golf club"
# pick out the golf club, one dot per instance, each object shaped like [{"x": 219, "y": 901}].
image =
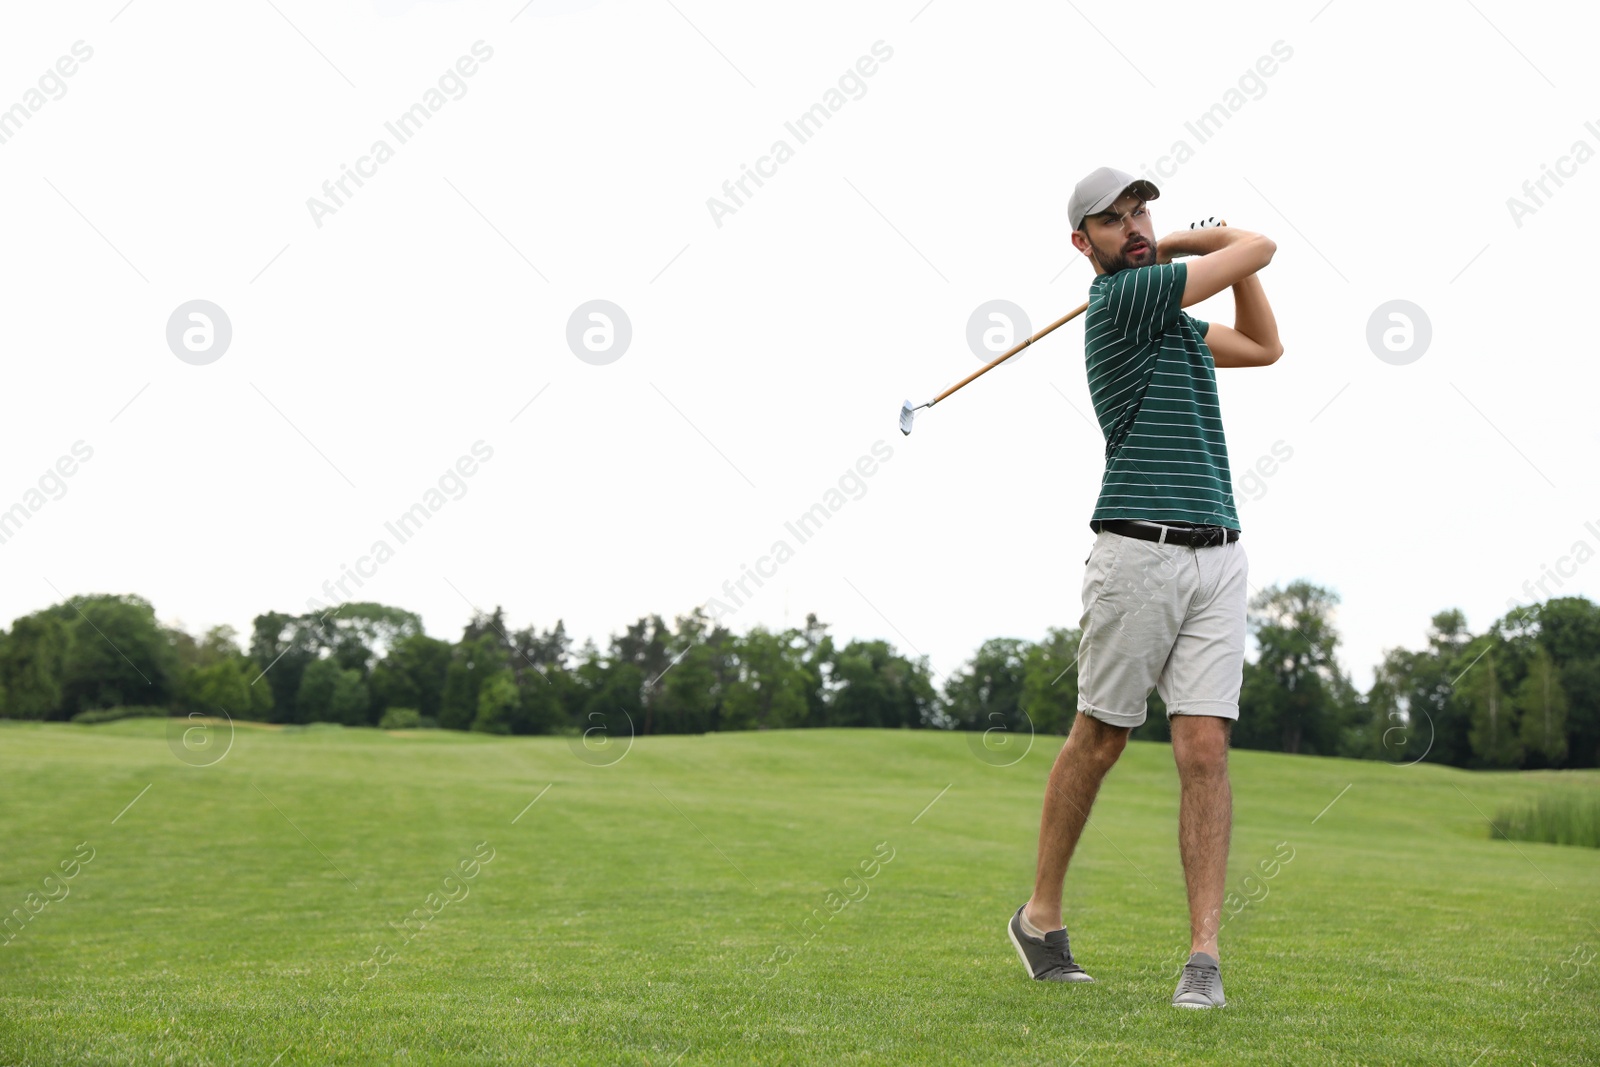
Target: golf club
[{"x": 908, "y": 413}]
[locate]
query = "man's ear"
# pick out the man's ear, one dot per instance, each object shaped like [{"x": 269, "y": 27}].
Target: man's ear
[{"x": 1081, "y": 242}]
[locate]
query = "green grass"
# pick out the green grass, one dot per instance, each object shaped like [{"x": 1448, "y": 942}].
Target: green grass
[
  {"x": 121, "y": 711},
  {"x": 629, "y": 916},
  {"x": 1569, "y": 816}
]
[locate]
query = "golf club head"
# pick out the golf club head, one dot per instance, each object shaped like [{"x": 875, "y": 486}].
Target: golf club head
[{"x": 907, "y": 413}]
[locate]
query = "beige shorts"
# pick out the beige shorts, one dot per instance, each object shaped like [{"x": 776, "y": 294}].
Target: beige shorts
[{"x": 1164, "y": 617}]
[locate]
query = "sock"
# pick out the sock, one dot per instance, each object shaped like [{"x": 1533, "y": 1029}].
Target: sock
[{"x": 1028, "y": 928}]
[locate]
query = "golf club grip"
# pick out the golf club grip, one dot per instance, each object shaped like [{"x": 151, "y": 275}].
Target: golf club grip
[{"x": 1062, "y": 321}]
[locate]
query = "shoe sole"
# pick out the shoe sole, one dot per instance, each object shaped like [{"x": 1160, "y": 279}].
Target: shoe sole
[{"x": 1011, "y": 933}]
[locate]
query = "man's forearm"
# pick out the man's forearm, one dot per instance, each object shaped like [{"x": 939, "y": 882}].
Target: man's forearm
[
  {"x": 1201, "y": 242},
  {"x": 1252, "y": 315}
]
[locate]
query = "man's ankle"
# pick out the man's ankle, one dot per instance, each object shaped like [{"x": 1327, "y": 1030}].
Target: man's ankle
[{"x": 1032, "y": 916}]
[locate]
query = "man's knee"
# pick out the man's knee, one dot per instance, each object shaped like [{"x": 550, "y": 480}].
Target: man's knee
[
  {"x": 1200, "y": 744},
  {"x": 1101, "y": 741}
]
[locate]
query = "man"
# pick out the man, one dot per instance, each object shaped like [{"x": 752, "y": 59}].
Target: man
[{"x": 1165, "y": 588}]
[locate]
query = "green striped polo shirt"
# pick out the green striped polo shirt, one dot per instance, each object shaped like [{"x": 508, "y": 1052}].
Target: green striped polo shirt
[{"x": 1154, "y": 388}]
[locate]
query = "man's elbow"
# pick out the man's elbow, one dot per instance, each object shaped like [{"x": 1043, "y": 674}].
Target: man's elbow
[
  {"x": 1266, "y": 247},
  {"x": 1260, "y": 354}
]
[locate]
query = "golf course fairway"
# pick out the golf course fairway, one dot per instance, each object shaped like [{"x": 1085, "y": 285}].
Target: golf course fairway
[{"x": 328, "y": 895}]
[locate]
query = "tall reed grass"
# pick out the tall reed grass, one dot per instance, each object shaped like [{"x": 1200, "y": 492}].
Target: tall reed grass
[{"x": 1560, "y": 817}]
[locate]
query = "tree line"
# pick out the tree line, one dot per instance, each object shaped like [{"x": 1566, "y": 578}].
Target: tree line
[{"x": 1524, "y": 693}]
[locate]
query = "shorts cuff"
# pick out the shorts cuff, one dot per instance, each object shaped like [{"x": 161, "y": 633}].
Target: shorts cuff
[
  {"x": 1221, "y": 709},
  {"x": 1113, "y": 718}
]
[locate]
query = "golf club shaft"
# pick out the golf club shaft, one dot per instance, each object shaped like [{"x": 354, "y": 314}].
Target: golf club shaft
[
  {"x": 1062, "y": 321},
  {"x": 1068, "y": 317}
]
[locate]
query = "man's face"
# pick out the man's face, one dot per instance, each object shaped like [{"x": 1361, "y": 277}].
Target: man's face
[{"x": 1121, "y": 236}]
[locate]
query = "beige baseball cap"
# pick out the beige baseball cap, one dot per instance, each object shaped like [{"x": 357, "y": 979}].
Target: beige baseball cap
[{"x": 1100, "y": 189}]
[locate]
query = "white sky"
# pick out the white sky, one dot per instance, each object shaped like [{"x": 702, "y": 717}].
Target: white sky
[{"x": 770, "y": 353}]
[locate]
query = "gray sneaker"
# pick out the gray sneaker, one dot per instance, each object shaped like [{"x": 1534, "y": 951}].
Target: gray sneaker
[
  {"x": 1047, "y": 958},
  {"x": 1201, "y": 984}
]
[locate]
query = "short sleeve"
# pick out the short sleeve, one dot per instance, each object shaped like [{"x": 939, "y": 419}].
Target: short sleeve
[
  {"x": 1145, "y": 301},
  {"x": 1200, "y": 326}
]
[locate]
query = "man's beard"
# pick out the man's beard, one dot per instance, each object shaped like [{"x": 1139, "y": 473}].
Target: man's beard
[{"x": 1111, "y": 262}]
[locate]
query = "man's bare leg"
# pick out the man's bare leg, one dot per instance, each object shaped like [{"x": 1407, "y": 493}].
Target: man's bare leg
[
  {"x": 1091, "y": 749},
  {"x": 1205, "y": 820}
]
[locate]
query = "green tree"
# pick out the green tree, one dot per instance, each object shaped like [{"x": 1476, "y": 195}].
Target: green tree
[
  {"x": 686, "y": 695},
  {"x": 1294, "y": 697},
  {"x": 1580, "y": 681},
  {"x": 1569, "y": 630},
  {"x": 1263, "y": 708},
  {"x": 546, "y": 688},
  {"x": 119, "y": 654},
  {"x": 1541, "y": 705},
  {"x": 646, "y": 646},
  {"x": 412, "y": 675},
  {"x": 350, "y": 702},
  {"x": 1432, "y": 707},
  {"x": 1494, "y": 735},
  {"x": 215, "y": 676},
  {"x": 1397, "y": 726},
  {"x": 281, "y": 648},
  {"x": 473, "y": 661},
  {"x": 314, "y": 701},
  {"x": 33, "y": 660},
  {"x": 817, "y": 654},
  {"x": 354, "y": 635},
  {"x": 532, "y": 650},
  {"x": 768, "y": 690},
  {"x": 876, "y": 686},
  {"x": 489, "y": 626},
  {"x": 219, "y": 686},
  {"x": 1050, "y": 681},
  {"x": 359, "y": 633},
  {"x": 498, "y": 704},
  {"x": 986, "y": 692},
  {"x": 541, "y": 705},
  {"x": 613, "y": 705}
]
